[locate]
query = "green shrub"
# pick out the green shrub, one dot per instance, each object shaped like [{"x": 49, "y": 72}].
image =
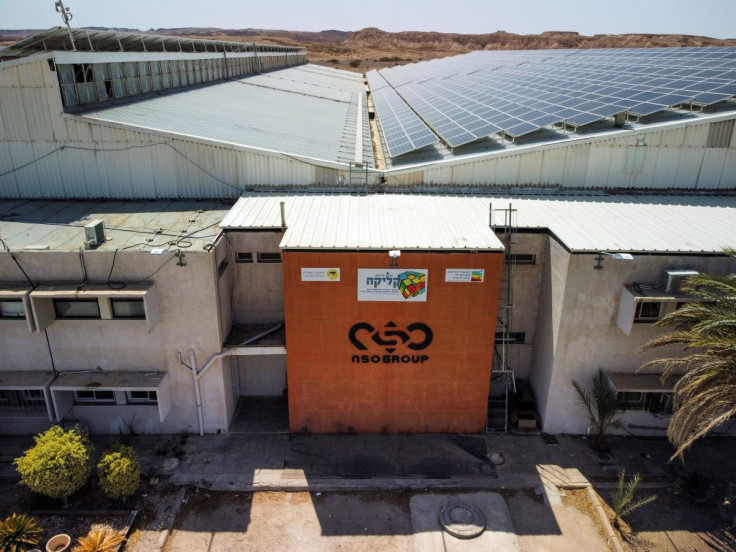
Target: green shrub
[
  {"x": 354, "y": 63},
  {"x": 58, "y": 464},
  {"x": 19, "y": 532},
  {"x": 120, "y": 475}
]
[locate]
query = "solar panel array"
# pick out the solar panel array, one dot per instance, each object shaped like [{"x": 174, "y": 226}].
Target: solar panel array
[
  {"x": 402, "y": 129},
  {"x": 469, "y": 97}
]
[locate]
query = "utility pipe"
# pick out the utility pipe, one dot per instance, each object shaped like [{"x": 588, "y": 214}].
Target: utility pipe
[
  {"x": 197, "y": 374},
  {"x": 197, "y": 393}
]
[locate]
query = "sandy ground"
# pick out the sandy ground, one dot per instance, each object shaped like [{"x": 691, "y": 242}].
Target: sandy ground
[{"x": 354, "y": 522}]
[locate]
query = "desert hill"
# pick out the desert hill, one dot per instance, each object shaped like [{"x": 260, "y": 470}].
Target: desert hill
[{"x": 373, "y": 48}]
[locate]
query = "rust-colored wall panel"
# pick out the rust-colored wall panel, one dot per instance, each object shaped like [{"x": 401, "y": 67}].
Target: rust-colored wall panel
[{"x": 445, "y": 389}]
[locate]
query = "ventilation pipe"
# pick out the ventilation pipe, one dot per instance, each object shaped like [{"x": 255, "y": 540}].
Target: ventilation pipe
[{"x": 197, "y": 374}]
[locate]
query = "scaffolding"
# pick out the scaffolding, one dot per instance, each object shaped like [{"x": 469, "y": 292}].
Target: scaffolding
[{"x": 503, "y": 223}]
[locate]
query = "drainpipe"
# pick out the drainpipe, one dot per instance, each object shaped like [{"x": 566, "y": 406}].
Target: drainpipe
[
  {"x": 197, "y": 374},
  {"x": 197, "y": 393}
]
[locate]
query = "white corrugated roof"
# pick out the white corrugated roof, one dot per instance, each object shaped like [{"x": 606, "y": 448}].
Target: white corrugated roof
[
  {"x": 305, "y": 110},
  {"x": 376, "y": 221},
  {"x": 644, "y": 223}
]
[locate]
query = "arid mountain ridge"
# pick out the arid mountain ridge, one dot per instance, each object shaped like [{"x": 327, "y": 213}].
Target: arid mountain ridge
[{"x": 374, "y": 48}]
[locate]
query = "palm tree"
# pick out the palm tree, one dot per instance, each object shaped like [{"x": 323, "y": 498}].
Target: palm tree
[
  {"x": 705, "y": 396},
  {"x": 601, "y": 406}
]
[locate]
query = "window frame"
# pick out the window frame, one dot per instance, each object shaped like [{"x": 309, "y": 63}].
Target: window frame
[
  {"x": 521, "y": 258},
  {"x": 638, "y": 318},
  {"x": 5, "y": 317},
  {"x": 58, "y": 300},
  {"x": 151, "y": 396},
  {"x": 515, "y": 338},
  {"x": 244, "y": 257},
  {"x": 94, "y": 399},
  {"x": 269, "y": 258},
  {"x": 141, "y": 302}
]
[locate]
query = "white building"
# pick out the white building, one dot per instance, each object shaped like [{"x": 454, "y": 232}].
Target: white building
[{"x": 148, "y": 327}]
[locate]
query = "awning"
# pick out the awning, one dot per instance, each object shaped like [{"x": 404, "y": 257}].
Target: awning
[
  {"x": 110, "y": 381},
  {"x": 22, "y": 379},
  {"x": 641, "y": 383}
]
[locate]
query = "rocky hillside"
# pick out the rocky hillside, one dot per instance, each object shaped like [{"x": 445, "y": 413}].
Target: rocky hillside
[
  {"x": 501, "y": 40},
  {"x": 373, "y": 48}
]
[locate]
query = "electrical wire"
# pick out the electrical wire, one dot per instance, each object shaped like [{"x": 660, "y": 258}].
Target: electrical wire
[
  {"x": 101, "y": 150},
  {"x": 15, "y": 260}
]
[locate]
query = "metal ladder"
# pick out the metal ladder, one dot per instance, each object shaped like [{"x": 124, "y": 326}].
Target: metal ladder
[
  {"x": 503, "y": 222},
  {"x": 358, "y": 175}
]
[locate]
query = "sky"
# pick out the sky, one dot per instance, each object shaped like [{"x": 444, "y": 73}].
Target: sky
[{"x": 714, "y": 18}]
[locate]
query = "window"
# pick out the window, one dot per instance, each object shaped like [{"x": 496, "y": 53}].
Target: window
[
  {"x": 12, "y": 308},
  {"x": 521, "y": 259},
  {"x": 77, "y": 308},
  {"x": 512, "y": 338},
  {"x": 148, "y": 397},
  {"x": 21, "y": 402},
  {"x": 269, "y": 257},
  {"x": 34, "y": 395},
  {"x": 657, "y": 403},
  {"x": 244, "y": 258},
  {"x": 628, "y": 400},
  {"x": 128, "y": 308},
  {"x": 88, "y": 396},
  {"x": 83, "y": 72},
  {"x": 647, "y": 311}
]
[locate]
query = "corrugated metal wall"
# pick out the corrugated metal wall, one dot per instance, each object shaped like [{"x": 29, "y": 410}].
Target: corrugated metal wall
[
  {"x": 699, "y": 156},
  {"x": 47, "y": 154}
]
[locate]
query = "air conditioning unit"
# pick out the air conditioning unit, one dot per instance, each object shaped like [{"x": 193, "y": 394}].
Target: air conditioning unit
[
  {"x": 673, "y": 279},
  {"x": 94, "y": 233}
]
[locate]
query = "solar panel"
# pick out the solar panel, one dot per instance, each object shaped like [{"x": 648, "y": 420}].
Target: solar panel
[
  {"x": 469, "y": 97},
  {"x": 402, "y": 130}
]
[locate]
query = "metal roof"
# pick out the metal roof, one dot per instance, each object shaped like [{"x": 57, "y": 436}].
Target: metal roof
[
  {"x": 390, "y": 221},
  {"x": 132, "y": 225},
  {"x": 633, "y": 223},
  {"x": 89, "y": 40},
  {"x": 306, "y": 110},
  {"x": 645, "y": 223}
]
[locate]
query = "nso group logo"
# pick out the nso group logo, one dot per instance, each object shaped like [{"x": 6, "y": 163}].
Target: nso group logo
[{"x": 400, "y": 345}]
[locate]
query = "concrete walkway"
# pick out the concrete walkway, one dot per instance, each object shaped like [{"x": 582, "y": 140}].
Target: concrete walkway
[{"x": 374, "y": 462}]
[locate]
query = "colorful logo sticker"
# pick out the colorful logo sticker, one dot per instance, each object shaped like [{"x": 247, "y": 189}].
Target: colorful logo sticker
[
  {"x": 412, "y": 284},
  {"x": 476, "y": 276}
]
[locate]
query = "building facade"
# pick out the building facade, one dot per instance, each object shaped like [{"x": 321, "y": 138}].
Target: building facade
[{"x": 318, "y": 255}]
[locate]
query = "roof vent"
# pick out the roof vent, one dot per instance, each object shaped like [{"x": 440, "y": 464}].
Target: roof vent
[{"x": 94, "y": 233}]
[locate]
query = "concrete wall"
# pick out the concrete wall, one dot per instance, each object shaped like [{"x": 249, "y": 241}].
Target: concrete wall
[
  {"x": 189, "y": 319},
  {"x": 258, "y": 290},
  {"x": 548, "y": 321},
  {"x": 262, "y": 375},
  {"x": 577, "y": 332},
  {"x": 527, "y": 281},
  {"x": 336, "y": 385}
]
